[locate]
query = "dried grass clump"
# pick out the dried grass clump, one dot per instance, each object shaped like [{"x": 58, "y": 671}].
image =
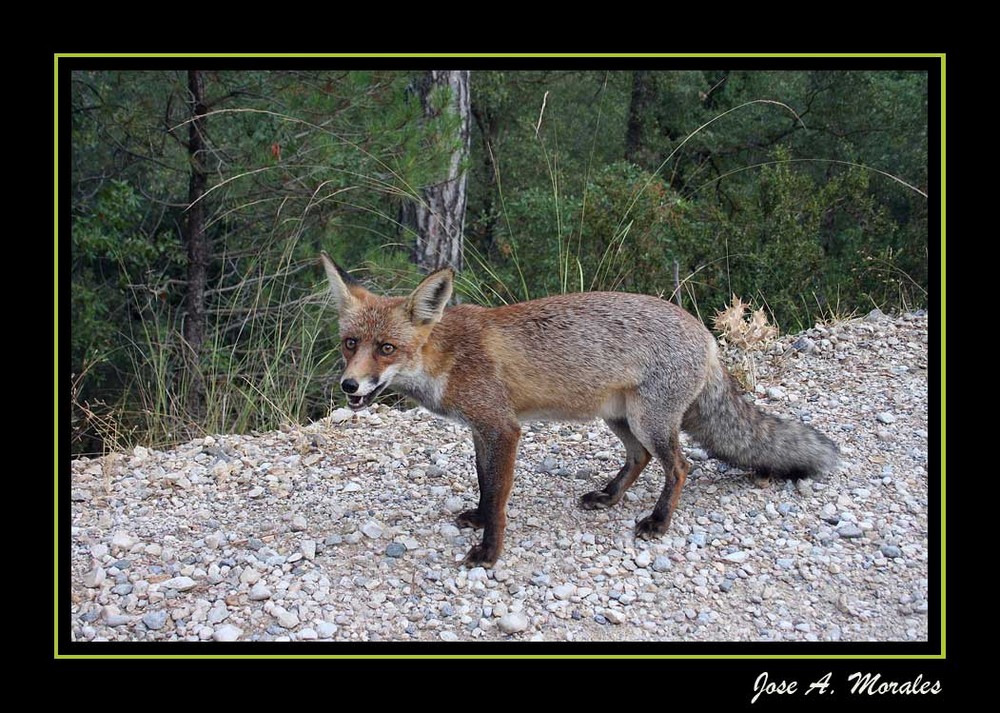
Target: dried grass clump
[{"x": 749, "y": 333}]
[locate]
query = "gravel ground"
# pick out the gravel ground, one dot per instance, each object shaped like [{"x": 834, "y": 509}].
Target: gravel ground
[{"x": 343, "y": 529}]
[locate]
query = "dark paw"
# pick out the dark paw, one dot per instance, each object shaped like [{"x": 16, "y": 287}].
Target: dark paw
[
  {"x": 470, "y": 518},
  {"x": 480, "y": 556},
  {"x": 596, "y": 500},
  {"x": 649, "y": 529}
]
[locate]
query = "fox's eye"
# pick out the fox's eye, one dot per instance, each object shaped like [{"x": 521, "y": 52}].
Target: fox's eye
[
  {"x": 387, "y": 349},
  {"x": 351, "y": 343}
]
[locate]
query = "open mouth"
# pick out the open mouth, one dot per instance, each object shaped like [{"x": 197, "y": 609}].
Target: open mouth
[{"x": 356, "y": 402}]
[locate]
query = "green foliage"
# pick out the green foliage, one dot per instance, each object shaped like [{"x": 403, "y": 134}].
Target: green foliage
[
  {"x": 297, "y": 162},
  {"x": 775, "y": 202}
]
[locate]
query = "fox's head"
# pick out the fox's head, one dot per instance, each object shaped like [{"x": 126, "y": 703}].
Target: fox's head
[{"x": 381, "y": 337}]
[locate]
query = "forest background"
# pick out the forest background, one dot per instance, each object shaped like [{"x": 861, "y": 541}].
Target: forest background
[{"x": 200, "y": 200}]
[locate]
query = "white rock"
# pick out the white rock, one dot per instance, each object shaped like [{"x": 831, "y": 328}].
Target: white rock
[
  {"x": 371, "y": 529},
  {"x": 325, "y": 629},
  {"x": 454, "y": 505},
  {"x": 477, "y": 574},
  {"x": 564, "y": 591},
  {"x": 614, "y": 616},
  {"x": 95, "y": 577},
  {"x": 259, "y": 592},
  {"x": 299, "y": 523},
  {"x": 255, "y": 492},
  {"x": 218, "y": 613},
  {"x": 341, "y": 415},
  {"x": 114, "y": 617},
  {"x": 122, "y": 539},
  {"x": 643, "y": 559},
  {"x": 286, "y": 619},
  {"x": 309, "y": 549},
  {"x": 513, "y": 623},
  {"x": 249, "y": 576},
  {"x": 153, "y": 549},
  {"x": 181, "y": 584},
  {"x": 308, "y": 634},
  {"x": 227, "y": 632},
  {"x": 449, "y": 636}
]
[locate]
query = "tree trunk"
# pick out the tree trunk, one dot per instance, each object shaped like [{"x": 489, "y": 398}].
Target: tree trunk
[
  {"x": 638, "y": 110},
  {"x": 488, "y": 129},
  {"x": 195, "y": 240},
  {"x": 439, "y": 217}
]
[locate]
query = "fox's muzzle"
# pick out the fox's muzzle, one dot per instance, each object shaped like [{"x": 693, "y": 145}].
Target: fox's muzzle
[{"x": 357, "y": 401}]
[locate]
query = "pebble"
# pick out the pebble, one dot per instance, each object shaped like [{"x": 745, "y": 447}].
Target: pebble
[
  {"x": 116, "y": 619},
  {"x": 341, "y": 415},
  {"x": 850, "y": 531},
  {"x": 886, "y": 417},
  {"x": 745, "y": 558},
  {"x": 259, "y": 592},
  {"x": 614, "y": 616},
  {"x": 286, "y": 619},
  {"x": 95, "y": 577},
  {"x": 122, "y": 539},
  {"x": 662, "y": 563},
  {"x": 513, "y": 623},
  {"x": 218, "y": 613},
  {"x": 155, "y": 619},
  {"x": 804, "y": 344},
  {"x": 697, "y": 538},
  {"x": 564, "y": 591},
  {"x": 227, "y": 632},
  {"x": 181, "y": 584}
]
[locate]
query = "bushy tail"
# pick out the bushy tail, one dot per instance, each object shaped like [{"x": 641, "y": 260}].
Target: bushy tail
[{"x": 736, "y": 432}]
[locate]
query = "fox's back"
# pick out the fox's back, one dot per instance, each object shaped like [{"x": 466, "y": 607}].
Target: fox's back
[{"x": 576, "y": 355}]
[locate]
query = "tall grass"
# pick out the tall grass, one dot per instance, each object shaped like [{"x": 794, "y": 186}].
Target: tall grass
[{"x": 266, "y": 353}]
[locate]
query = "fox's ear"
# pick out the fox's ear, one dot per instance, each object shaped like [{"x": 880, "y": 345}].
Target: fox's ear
[
  {"x": 426, "y": 304},
  {"x": 340, "y": 284}
]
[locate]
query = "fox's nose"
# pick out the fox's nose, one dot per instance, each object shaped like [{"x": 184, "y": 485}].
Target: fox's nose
[{"x": 349, "y": 385}]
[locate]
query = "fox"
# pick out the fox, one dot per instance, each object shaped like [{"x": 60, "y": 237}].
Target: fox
[{"x": 644, "y": 365}]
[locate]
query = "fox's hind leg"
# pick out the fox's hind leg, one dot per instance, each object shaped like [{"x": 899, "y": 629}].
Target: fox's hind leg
[
  {"x": 636, "y": 458},
  {"x": 659, "y": 432}
]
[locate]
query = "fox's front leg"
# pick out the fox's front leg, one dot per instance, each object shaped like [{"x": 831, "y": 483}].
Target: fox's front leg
[
  {"x": 496, "y": 449},
  {"x": 474, "y": 518}
]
